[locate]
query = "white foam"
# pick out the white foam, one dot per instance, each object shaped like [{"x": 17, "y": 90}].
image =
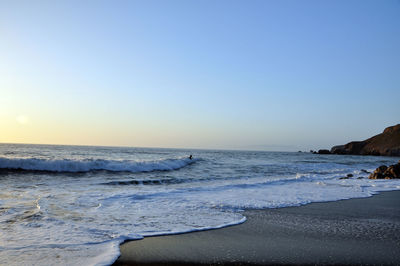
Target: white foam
[{"x": 66, "y": 165}]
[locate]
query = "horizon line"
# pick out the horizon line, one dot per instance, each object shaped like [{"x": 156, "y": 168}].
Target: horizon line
[{"x": 144, "y": 147}]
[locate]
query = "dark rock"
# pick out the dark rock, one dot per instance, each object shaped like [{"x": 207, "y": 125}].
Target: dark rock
[
  {"x": 376, "y": 176},
  {"x": 360, "y": 177},
  {"x": 347, "y": 177},
  {"x": 378, "y": 173},
  {"x": 381, "y": 169},
  {"x": 339, "y": 149},
  {"x": 384, "y": 172},
  {"x": 365, "y": 171},
  {"x": 392, "y": 171},
  {"x": 385, "y": 144},
  {"x": 324, "y": 152}
]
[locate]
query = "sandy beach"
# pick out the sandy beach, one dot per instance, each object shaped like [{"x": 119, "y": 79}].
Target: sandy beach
[
  {"x": 352, "y": 232},
  {"x": 180, "y": 132}
]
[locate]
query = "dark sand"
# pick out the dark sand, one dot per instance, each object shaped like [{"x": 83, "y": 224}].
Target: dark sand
[{"x": 357, "y": 231}]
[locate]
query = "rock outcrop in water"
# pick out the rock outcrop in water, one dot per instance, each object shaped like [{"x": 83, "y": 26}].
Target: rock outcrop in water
[
  {"x": 324, "y": 151},
  {"x": 384, "y": 144},
  {"x": 384, "y": 172}
]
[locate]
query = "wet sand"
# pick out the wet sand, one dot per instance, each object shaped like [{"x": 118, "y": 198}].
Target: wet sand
[{"x": 350, "y": 232}]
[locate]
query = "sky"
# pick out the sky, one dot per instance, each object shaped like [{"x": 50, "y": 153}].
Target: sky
[{"x": 258, "y": 75}]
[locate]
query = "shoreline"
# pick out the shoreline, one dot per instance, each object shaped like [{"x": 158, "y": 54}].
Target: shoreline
[{"x": 351, "y": 232}]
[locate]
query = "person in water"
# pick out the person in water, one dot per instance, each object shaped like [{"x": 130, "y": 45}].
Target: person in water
[{"x": 190, "y": 157}]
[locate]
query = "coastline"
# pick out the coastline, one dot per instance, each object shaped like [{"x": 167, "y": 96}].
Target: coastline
[{"x": 351, "y": 232}]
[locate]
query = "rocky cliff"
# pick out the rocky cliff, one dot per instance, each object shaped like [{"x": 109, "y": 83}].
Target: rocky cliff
[{"x": 386, "y": 144}]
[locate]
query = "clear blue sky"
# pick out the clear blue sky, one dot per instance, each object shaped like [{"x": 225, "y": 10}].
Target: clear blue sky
[{"x": 275, "y": 75}]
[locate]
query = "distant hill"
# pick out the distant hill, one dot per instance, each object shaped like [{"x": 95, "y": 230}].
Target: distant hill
[{"x": 386, "y": 144}]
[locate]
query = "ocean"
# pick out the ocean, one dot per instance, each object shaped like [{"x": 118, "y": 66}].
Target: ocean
[{"x": 74, "y": 205}]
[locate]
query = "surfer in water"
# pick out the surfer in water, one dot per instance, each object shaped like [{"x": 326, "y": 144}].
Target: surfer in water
[{"x": 190, "y": 157}]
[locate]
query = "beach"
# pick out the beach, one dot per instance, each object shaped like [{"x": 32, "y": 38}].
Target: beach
[
  {"x": 352, "y": 232},
  {"x": 72, "y": 205},
  {"x": 199, "y": 132}
]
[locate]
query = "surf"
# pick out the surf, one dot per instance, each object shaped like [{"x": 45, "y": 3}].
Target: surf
[{"x": 89, "y": 165}]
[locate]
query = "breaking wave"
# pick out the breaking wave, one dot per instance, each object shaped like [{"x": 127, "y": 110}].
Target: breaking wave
[{"x": 87, "y": 165}]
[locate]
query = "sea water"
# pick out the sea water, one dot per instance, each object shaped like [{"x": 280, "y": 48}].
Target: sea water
[{"x": 73, "y": 205}]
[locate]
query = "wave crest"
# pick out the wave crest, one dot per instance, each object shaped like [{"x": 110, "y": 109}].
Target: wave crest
[{"x": 87, "y": 165}]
